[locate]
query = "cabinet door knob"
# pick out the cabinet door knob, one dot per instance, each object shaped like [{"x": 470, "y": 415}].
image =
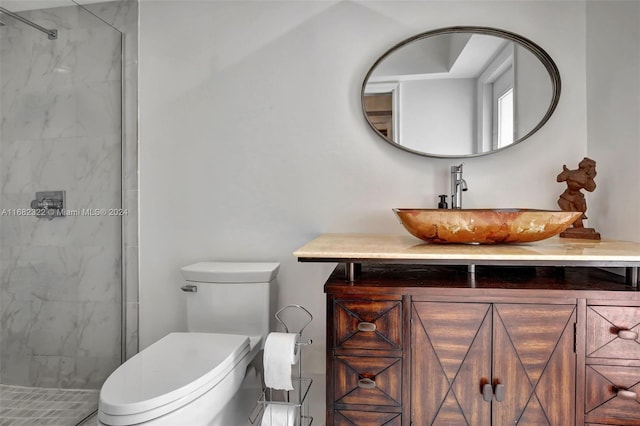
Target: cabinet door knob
[
  {"x": 366, "y": 383},
  {"x": 627, "y": 394},
  {"x": 487, "y": 392},
  {"x": 366, "y": 326},
  {"x": 627, "y": 334},
  {"x": 500, "y": 392}
]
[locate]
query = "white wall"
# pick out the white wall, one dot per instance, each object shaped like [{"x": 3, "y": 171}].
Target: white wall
[
  {"x": 613, "y": 90},
  {"x": 252, "y": 141},
  {"x": 533, "y": 91},
  {"x": 438, "y": 115}
]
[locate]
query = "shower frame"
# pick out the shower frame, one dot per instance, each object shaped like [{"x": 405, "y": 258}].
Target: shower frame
[{"x": 52, "y": 34}]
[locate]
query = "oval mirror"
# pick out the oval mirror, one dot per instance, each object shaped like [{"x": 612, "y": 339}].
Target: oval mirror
[{"x": 460, "y": 92}]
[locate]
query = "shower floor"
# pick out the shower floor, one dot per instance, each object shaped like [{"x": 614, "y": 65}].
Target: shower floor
[{"x": 43, "y": 406}]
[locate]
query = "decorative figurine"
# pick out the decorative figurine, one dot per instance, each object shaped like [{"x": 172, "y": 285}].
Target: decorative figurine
[{"x": 573, "y": 200}]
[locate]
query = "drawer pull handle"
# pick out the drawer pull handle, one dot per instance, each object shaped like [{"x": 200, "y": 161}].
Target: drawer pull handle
[
  {"x": 627, "y": 394},
  {"x": 366, "y": 326},
  {"x": 627, "y": 334},
  {"x": 366, "y": 384}
]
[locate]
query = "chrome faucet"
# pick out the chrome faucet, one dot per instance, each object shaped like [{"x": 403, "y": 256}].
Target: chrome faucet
[{"x": 457, "y": 186}]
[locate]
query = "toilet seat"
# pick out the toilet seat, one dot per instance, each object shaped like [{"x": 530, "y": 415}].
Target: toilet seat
[{"x": 169, "y": 374}]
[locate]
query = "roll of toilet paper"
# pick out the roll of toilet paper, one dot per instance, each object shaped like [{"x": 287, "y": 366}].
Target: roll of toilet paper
[
  {"x": 280, "y": 353},
  {"x": 280, "y": 415}
]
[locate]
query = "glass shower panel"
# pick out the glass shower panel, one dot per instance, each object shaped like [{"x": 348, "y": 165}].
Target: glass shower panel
[{"x": 61, "y": 130}]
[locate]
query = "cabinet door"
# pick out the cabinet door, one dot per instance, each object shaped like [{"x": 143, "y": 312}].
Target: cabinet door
[
  {"x": 534, "y": 364},
  {"x": 451, "y": 361},
  {"x": 524, "y": 353}
]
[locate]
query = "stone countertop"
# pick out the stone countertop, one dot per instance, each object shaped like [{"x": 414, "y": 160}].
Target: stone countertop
[{"x": 407, "y": 249}]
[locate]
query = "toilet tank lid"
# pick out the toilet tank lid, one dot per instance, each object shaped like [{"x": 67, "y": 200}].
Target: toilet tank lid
[{"x": 230, "y": 272}]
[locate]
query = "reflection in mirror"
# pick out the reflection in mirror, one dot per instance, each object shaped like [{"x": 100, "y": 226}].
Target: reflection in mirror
[{"x": 460, "y": 91}]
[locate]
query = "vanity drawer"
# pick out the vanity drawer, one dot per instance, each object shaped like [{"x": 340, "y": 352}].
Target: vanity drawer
[
  {"x": 612, "y": 392},
  {"x": 368, "y": 324},
  {"x": 366, "y": 418},
  {"x": 613, "y": 332},
  {"x": 373, "y": 381}
]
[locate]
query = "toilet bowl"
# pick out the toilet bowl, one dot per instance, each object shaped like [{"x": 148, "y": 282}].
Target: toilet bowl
[
  {"x": 187, "y": 378},
  {"x": 160, "y": 384}
]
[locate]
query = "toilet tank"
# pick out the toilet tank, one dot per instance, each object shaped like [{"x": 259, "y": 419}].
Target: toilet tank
[{"x": 229, "y": 297}]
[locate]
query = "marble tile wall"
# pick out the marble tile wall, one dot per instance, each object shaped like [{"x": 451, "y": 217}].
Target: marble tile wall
[{"x": 60, "y": 279}]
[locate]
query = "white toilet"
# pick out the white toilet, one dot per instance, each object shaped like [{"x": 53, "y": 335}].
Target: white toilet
[{"x": 188, "y": 378}]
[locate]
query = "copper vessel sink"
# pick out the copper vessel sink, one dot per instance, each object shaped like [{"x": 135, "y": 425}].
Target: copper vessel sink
[{"x": 484, "y": 226}]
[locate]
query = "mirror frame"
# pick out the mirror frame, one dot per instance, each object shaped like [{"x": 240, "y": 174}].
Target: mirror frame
[{"x": 535, "y": 49}]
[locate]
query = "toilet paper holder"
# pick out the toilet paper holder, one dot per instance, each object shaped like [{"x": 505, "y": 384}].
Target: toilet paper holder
[
  {"x": 307, "y": 321},
  {"x": 295, "y": 399}
]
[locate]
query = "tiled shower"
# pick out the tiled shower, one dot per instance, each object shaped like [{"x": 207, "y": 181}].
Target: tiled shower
[{"x": 62, "y": 299}]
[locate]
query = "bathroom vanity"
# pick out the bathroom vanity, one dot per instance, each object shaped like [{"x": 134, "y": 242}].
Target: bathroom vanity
[{"x": 537, "y": 333}]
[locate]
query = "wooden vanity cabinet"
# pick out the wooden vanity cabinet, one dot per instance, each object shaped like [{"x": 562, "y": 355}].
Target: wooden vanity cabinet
[{"x": 420, "y": 345}]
